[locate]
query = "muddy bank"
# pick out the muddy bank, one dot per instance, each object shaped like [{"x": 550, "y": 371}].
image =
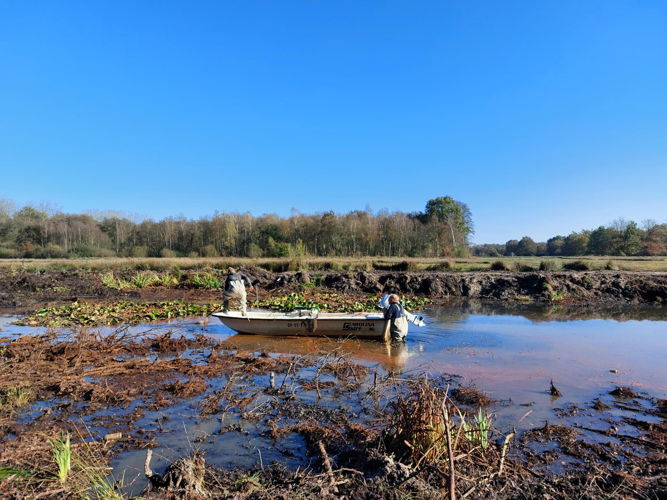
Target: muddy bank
[
  {"x": 24, "y": 289},
  {"x": 566, "y": 287}
]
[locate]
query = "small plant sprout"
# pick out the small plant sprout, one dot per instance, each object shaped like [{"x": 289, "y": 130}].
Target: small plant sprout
[
  {"x": 478, "y": 431},
  {"x": 62, "y": 455}
]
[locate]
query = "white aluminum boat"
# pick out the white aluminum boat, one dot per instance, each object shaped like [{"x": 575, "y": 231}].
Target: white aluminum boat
[{"x": 306, "y": 322}]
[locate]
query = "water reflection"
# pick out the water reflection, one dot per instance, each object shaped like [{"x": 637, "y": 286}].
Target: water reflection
[
  {"x": 458, "y": 310},
  {"x": 391, "y": 356}
]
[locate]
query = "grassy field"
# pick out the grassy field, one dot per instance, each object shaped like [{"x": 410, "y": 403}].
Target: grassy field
[{"x": 346, "y": 263}]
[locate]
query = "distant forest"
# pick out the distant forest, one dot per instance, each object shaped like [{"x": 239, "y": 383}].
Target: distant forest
[
  {"x": 442, "y": 229},
  {"x": 619, "y": 238}
]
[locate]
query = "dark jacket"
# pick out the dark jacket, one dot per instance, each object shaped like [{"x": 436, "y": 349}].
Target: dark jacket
[
  {"x": 394, "y": 311},
  {"x": 236, "y": 277}
]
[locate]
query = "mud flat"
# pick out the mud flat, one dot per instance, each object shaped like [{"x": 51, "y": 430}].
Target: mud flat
[{"x": 20, "y": 288}]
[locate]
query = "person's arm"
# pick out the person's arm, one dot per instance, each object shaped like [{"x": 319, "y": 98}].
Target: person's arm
[
  {"x": 391, "y": 312},
  {"x": 247, "y": 280},
  {"x": 227, "y": 283}
]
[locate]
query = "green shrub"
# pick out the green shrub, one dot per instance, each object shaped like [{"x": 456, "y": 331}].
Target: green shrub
[
  {"x": 8, "y": 253},
  {"x": 139, "y": 251},
  {"x": 548, "y": 265},
  {"x": 83, "y": 251},
  {"x": 297, "y": 265},
  {"x": 577, "y": 265},
  {"x": 167, "y": 253},
  {"x": 498, "y": 265},
  {"x": 611, "y": 266},
  {"x": 209, "y": 251},
  {"x": 445, "y": 265},
  {"x": 524, "y": 268}
]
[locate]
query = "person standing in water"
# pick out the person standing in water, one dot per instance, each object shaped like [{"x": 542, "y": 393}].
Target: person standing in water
[
  {"x": 235, "y": 288},
  {"x": 398, "y": 323}
]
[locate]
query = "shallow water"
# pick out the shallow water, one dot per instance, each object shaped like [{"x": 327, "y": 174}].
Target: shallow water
[{"x": 509, "y": 352}]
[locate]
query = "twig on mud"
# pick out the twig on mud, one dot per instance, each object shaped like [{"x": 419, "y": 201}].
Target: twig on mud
[
  {"x": 503, "y": 453},
  {"x": 327, "y": 467},
  {"x": 450, "y": 452},
  {"x": 49, "y": 493},
  {"x": 148, "y": 472}
]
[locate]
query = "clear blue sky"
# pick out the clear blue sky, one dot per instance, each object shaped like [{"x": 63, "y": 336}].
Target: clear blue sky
[{"x": 544, "y": 117}]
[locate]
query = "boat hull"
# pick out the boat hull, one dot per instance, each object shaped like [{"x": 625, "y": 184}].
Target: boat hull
[{"x": 360, "y": 325}]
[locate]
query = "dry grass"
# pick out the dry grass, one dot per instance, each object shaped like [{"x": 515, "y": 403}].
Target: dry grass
[{"x": 337, "y": 263}]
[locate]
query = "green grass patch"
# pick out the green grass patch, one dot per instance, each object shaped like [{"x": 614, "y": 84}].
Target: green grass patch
[
  {"x": 144, "y": 279},
  {"x": 15, "y": 397},
  {"x": 14, "y": 472},
  {"x": 205, "y": 280}
]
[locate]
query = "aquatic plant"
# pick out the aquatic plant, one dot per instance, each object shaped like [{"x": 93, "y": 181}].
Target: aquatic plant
[
  {"x": 333, "y": 302},
  {"x": 478, "y": 431},
  {"x": 61, "y": 448},
  {"x": 205, "y": 280},
  {"x": 168, "y": 280},
  {"x": 91, "y": 314},
  {"x": 110, "y": 281},
  {"x": 143, "y": 279}
]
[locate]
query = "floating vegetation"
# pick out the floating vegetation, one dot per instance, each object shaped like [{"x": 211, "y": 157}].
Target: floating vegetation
[
  {"x": 94, "y": 314},
  {"x": 333, "y": 302},
  {"x": 90, "y": 314}
]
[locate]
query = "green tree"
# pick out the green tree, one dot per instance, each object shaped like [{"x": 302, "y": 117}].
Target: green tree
[
  {"x": 631, "y": 239},
  {"x": 599, "y": 242},
  {"x": 526, "y": 246},
  {"x": 576, "y": 243},
  {"x": 455, "y": 215},
  {"x": 555, "y": 245}
]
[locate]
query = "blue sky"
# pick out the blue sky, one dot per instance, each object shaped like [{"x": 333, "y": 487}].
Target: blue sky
[{"x": 544, "y": 117}]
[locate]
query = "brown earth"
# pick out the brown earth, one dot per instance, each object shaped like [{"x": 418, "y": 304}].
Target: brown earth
[{"x": 27, "y": 289}]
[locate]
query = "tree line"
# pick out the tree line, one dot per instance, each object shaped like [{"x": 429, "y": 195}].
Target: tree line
[
  {"x": 442, "y": 229},
  {"x": 619, "y": 238}
]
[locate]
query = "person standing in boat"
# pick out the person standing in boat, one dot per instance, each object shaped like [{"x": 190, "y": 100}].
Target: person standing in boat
[
  {"x": 235, "y": 288},
  {"x": 395, "y": 313}
]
